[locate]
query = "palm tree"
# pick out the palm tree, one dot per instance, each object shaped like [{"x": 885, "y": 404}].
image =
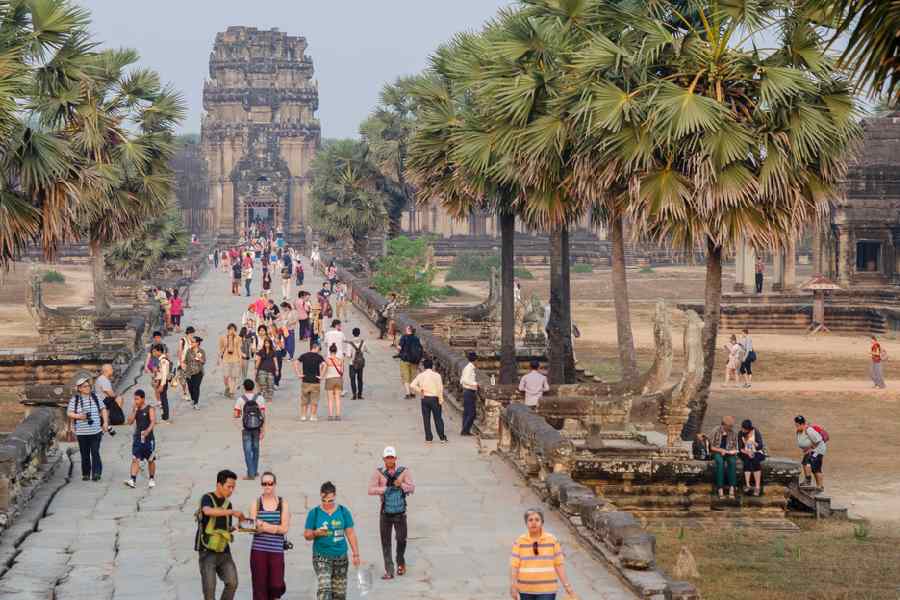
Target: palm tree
[
  {"x": 873, "y": 48},
  {"x": 387, "y": 132},
  {"x": 346, "y": 202},
  {"x": 162, "y": 239}
]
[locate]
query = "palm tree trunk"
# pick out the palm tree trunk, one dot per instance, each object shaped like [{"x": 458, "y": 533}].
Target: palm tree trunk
[
  {"x": 559, "y": 342},
  {"x": 711, "y": 309},
  {"x": 627, "y": 357},
  {"x": 508, "y": 365},
  {"x": 98, "y": 271}
]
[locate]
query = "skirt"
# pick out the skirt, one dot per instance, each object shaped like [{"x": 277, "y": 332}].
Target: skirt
[{"x": 334, "y": 383}]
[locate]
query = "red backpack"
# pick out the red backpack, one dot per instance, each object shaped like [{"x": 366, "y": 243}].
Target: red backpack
[{"x": 821, "y": 431}]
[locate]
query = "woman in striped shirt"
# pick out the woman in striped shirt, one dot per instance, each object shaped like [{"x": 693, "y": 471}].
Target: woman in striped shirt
[
  {"x": 536, "y": 565},
  {"x": 273, "y": 519}
]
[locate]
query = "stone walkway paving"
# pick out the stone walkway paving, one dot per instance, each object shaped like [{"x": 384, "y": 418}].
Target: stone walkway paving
[{"x": 104, "y": 540}]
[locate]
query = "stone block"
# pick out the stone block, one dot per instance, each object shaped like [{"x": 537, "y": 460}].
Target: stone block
[
  {"x": 683, "y": 590},
  {"x": 554, "y": 482},
  {"x": 570, "y": 496},
  {"x": 613, "y": 527},
  {"x": 638, "y": 551},
  {"x": 592, "y": 510}
]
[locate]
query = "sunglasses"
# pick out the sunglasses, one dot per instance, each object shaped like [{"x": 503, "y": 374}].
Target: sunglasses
[
  {"x": 535, "y": 548},
  {"x": 328, "y": 500},
  {"x": 267, "y": 483}
]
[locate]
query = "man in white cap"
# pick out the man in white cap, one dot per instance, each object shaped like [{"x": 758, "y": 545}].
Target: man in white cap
[
  {"x": 89, "y": 420},
  {"x": 393, "y": 484}
]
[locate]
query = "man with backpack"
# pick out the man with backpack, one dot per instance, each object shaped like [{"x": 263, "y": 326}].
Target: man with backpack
[
  {"x": 812, "y": 440},
  {"x": 251, "y": 409},
  {"x": 143, "y": 445},
  {"x": 357, "y": 363},
  {"x": 393, "y": 484},
  {"x": 213, "y": 538},
  {"x": 410, "y": 356}
]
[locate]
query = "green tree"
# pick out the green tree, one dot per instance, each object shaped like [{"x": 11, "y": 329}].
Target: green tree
[
  {"x": 346, "y": 202},
  {"x": 405, "y": 271},
  {"x": 162, "y": 239}
]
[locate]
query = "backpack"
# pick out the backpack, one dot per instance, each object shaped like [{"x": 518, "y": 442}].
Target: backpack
[
  {"x": 253, "y": 417},
  {"x": 414, "y": 351},
  {"x": 359, "y": 361},
  {"x": 394, "y": 500},
  {"x": 210, "y": 538},
  {"x": 285, "y": 272},
  {"x": 821, "y": 431},
  {"x": 172, "y": 369}
]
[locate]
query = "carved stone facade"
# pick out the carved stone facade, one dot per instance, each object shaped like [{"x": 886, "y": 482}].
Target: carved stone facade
[{"x": 260, "y": 131}]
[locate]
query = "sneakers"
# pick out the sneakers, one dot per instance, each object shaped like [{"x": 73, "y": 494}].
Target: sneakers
[
  {"x": 314, "y": 418},
  {"x": 130, "y": 483},
  {"x": 151, "y": 483},
  {"x": 302, "y": 417},
  {"x": 196, "y": 407}
]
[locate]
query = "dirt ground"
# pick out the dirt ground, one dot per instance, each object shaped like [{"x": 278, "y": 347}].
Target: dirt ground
[
  {"x": 824, "y": 378},
  {"x": 17, "y": 328}
]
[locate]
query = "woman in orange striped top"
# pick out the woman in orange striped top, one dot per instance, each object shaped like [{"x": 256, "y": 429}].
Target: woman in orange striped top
[{"x": 536, "y": 565}]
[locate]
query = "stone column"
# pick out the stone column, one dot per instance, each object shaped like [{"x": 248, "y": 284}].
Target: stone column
[
  {"x": 749, "y": 268},
  {"x": 789, "y": 283},
  {"x": 818, "y": 248},
  {"x": 739, "y": 267},
  {"x": 844, "y": 256},
  {"x": 778, "y": 270}
]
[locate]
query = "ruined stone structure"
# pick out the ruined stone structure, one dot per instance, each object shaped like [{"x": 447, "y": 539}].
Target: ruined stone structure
[
  {"x": 260, "y": 131},
  {"x": 192, "y": 187}
]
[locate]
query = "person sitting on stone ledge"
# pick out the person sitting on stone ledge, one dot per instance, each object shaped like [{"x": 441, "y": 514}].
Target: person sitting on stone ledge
[
  {"x": 113, "y": 403},
  {"x": 723, "y": 445},
  {"x": 753, "y": 453}
]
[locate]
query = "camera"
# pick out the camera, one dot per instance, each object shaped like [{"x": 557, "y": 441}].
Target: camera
[
  {"x": 111, "y": 431},
  {"x": 288, "y": 545},
  {"x": 89, "y": 420}
]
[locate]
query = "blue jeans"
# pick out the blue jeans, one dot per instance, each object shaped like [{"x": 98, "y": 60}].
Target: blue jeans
[
  {"x": 468, "y": 411},
  {"x": 289, "y": 345},
  {"x": 251, "y": 451},
  {"x": 537, "y": 596},
  {"x": 247, "y": 285}
]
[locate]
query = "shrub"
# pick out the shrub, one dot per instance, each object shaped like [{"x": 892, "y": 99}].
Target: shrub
[
  {"x": 523, "y": 273},
  {"x": 583, "y": 268},
  {"x": 53, "y": 277},
  {"x": 405, "y": 271},
  {"x": 470, "y": 266},
  {"x": 647, "y": 269}
]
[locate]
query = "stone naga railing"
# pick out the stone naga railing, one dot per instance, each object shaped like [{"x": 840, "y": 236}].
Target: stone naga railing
[
  {"x": 23, "y": 456},
  {"x": 545, "y": 458}
]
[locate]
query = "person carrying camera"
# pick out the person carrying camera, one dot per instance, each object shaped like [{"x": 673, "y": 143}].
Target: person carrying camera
[
  {"x": 272, "y": 519},
  {"x": 89, "y": 420}
]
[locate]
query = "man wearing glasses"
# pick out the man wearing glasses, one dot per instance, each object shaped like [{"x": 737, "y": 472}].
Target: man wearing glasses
[{"x": 536, "y": 565}]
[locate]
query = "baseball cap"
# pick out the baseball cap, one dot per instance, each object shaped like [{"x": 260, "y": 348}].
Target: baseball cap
[{"x": 390, "y": 451}]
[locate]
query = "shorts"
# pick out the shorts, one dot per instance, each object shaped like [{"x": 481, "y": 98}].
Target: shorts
[
  {"x": 232, "y": 370},
  {"x": 747, "y": 367},
  {"x": 408, "y": 371},
  {"x": 145, "y": 450},
  {"x": 334, "y": 383},
  {"x": 814, "y": 461},
  {"x": 310, "y": 393}
]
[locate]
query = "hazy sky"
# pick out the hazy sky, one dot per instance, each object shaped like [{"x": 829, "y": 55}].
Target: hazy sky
[{"x": 357, "y": 45}]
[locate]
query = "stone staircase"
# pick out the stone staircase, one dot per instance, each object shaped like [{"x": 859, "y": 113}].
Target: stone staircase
[
  {"x": 779, "y": 318},
  {"x": 806, "y": 499}
]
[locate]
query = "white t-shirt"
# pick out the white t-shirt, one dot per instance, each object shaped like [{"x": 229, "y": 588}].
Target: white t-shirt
[
  {"x": 242, "y": 399},
  {"x": 333, "y": 336}
]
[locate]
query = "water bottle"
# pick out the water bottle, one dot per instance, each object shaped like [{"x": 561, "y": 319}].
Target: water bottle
[{"x": 364, "y": 579}]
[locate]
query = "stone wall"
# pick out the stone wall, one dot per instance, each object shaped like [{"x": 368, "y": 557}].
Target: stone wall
[{"x": 23, "y": 453}]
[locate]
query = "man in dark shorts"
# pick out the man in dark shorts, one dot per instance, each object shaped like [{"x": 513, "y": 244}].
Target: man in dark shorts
[
  {"x": 143, "y": 444},
  {"x": 310, "y": 367}
]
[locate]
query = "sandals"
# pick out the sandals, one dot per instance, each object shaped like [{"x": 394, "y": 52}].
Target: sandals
[
  {"x": 731, "y": 493},
  {"x": 387, "y": 576},
  {"x": 401, "y": 570}
]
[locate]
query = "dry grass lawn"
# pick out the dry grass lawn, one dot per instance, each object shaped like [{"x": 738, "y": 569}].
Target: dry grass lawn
[{"x": 824, "y": 561}]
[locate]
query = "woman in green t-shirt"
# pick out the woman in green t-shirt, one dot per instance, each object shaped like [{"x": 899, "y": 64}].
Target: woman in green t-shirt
[{"x": 330, "y": 527}]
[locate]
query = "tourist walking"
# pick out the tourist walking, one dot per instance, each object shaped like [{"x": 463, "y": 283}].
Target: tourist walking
[
  {"x": 340, "y": 301},
  {"x": 112, "y": 401},
  {"x": 266, "y": 367},
  {"x": 760, "y": 270},
  {"x": 386, "y": 323},
  {"x": 392, "y": 483},
  {"x": 236, "y": 275},
  {"x": 469, "y": 384},
  {"x": 176, "y": 308},
  {"x": 250, "y": 408},
  {"x": 753, "y": 453},
  {"x": 735, "y": 358},
  {"x": 193, "y": 371},
  {"x": 298, "y": 272},
  {"x": 334, "y": 382},
  {"x": 272, "y": 518},
  {"x": 536, "y": 567},
  {"x": 143, "y": 442},
  {"x": 184, "y": 345},
  {"x": 331, "y": 276},
  {"x": 746, "y": 370},
  {"x": 213, "y": 538},
  {"x": 248, "y": 277},
  {"x": 878, "y": 356},
  {"x": 248, "y": 340},
  {"x": 534, "y": 384},
  {"x": 310, "y": 369},
  {"x": 330, "y": 527},
  {"x": 266, "y": 280},
  {"x": 162, "y": 378},
  {"x": 286, "y": 275},
  {"x": 723, "y": 445},
  {"x": 812, "y": 440},
  {"x": 357, "y": 363},
  {"x": 88, "y": 419},
  {"x": 335, "y": 337},
  {"x": 289, "y": 323},
  {"x": 230, "y": 359},
  {"x": 302, "y": 309},
  {"x": 410, "y": 354},
  {"x": 429, "y": 384}
]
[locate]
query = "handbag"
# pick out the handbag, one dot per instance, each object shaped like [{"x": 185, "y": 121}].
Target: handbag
[{"x": 752, "y": 356}]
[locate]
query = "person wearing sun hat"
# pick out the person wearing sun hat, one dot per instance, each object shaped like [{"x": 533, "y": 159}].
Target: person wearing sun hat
[
  {"x": 392, "y": 484},
  {"x": 89, "y": 421}
]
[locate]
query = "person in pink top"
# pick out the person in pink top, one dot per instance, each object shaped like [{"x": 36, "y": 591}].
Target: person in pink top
[
  {"x": 393, "y": 484},
  {"x": 176, "y": 309},
  {"x": 260, "y": 306},
  {"x": 302, "y": 308}
]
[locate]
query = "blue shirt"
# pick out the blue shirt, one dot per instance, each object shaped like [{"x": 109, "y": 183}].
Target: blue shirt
[{"x": 334, "y": 545}]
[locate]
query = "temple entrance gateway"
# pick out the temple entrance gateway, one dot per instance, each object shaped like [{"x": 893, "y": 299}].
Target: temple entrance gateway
[{"x": 868, "y": 256}]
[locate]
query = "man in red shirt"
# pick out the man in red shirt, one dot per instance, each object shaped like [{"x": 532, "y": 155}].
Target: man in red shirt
[{"x": 877, "y": 354}]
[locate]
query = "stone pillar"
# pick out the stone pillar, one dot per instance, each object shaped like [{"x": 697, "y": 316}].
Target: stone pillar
[
  {"x": 844, "y": 256},
  {"x": 789, "y": 284},
  {"x": 818, "y": 248},
  {"x": 778, "y": 270},
  {"x": 739, "y": 267},
  {"x": 749, "y": 268}
]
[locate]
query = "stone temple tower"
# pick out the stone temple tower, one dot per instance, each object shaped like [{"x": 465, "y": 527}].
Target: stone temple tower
[{"x": 260, "y": 132}]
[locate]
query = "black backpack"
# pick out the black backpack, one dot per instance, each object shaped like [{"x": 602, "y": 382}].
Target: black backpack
[
  {"x": 359, "y": 361},
  {"x": 414, "y": 351},
  {"x": 253, "y": 417}
]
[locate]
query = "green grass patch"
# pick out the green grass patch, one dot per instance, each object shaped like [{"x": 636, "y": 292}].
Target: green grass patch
[
  {"x": 647, "y": 269},
  {"x": 523, "y": 273},
  {"x": 469, "y": 266},
  {"x": 583, "y": 268},
  {"x": 53, "y": 277}
]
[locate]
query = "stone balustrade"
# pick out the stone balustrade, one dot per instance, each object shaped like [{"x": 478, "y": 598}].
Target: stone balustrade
[{"x": 23, "y": 459}]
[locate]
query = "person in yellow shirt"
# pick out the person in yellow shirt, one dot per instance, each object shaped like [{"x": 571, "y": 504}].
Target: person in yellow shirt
[
  {"x": 429, "y": 384},
  {"x": 536, "y": 565}
]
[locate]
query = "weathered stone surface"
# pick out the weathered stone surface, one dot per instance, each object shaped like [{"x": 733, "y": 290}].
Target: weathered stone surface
[
  {"x": 571, "y": 496},
  {"x": 613, "y": 527},
  {"x": 638, "y": 550}
]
